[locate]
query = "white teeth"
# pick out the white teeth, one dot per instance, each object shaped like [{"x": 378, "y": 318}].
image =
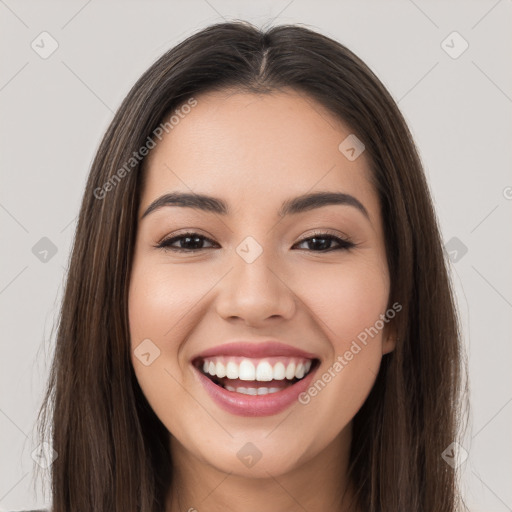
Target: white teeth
[
  {"x": 264, "y": 372},
  {"x": 253, "y": 391},
  {"x": 220, "y": 369},
  {"x": 232, "y": 370},
  {"x": 253, "y": 370},
  {"x": 247, "y": 370},
  {"x": 279, "y": 371},
  {"x": 290, "y": 371}
]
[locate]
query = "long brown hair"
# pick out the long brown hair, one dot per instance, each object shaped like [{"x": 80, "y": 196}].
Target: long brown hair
[{"x": 113, "y": 451}]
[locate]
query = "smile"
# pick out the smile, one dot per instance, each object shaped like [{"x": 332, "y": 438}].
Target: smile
[
  {"x": 250, "y": 379},
  {"x": 255, "y": 376}
]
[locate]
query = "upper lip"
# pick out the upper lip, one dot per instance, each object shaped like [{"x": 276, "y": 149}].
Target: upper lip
[{"x": 253, "y": 349}]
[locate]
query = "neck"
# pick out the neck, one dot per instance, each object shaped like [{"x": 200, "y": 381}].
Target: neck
[{"x": 317, "y": 484}]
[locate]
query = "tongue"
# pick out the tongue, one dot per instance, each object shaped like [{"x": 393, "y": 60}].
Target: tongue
[{"x": 281, "y": 384}]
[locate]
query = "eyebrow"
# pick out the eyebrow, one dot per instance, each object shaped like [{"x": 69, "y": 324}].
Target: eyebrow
[{"x": 292, "y": 206}]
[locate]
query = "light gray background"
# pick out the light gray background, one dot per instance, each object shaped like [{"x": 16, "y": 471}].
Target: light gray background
[{"x": 55, "y": 110}]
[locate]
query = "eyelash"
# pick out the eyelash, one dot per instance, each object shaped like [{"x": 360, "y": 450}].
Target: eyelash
[{"x": 344, "y": 244}]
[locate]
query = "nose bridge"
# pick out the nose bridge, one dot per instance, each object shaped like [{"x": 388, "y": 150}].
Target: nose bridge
[{"x": 254, "y": 290}]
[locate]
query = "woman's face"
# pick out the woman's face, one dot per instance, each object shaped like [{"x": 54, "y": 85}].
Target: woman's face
[{"x": 255, "y": 295}]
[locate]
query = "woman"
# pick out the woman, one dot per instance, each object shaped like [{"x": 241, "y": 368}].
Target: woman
[{"x": 258, "y": 314}]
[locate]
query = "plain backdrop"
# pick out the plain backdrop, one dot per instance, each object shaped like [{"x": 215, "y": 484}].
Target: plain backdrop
[{"x": 55, "y": 109}]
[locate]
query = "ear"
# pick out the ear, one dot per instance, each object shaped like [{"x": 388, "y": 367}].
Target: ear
[{"x": 389, "y": 339}]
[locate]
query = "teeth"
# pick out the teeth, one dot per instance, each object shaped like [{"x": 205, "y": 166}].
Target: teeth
[
  {"x": 231, "y": 370},
  {"x": 290, "y": 371},
  {"x": 253, "y": 391},
  {"x": 264, "y": 370},
  {"x": 247, "y": 371},
  {"x": 279, "y": 371},
  {"x": 220, "y": 369}
]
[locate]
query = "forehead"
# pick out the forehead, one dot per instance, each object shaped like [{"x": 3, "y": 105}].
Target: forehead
[{"x": 255, "y": 150}]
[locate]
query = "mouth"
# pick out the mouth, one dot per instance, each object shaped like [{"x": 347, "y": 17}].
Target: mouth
[{"x": 255, "y": 376}]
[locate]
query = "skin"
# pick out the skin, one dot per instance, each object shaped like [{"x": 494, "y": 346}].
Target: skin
[{"x": 254, "y": 152}]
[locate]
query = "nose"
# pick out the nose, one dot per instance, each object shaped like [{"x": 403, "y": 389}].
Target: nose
[{"x": 255, "y": 292}]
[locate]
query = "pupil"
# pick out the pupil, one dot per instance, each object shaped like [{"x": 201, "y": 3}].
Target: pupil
[
  {"x": 195, "y": 245},
  {"x": 324, "y": 245}
]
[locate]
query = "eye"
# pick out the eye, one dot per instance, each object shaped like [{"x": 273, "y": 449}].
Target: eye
[
  {"x": 193, "y": 242},
  {"x": 322, "y": 242},
  {"x": 189, "y": 242}
]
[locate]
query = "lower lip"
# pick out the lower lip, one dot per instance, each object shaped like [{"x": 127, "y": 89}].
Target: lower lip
[{"x": 255, "y": 405}]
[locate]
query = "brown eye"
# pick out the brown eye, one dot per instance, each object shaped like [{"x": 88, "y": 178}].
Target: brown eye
[
  {"x": 188, "y": 242},
  {"x": 322, "y": 242},
  {"x": 193, "y": 242}
]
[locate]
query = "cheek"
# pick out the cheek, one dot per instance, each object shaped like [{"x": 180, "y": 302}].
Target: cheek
[
  {"x": 159, "y": 299},
  {"x": 162, "y": 299},
  {"x": 347, "y": 298},
  {"x": 348, "y": 303},
  {"x": 161, "y": 309}
]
